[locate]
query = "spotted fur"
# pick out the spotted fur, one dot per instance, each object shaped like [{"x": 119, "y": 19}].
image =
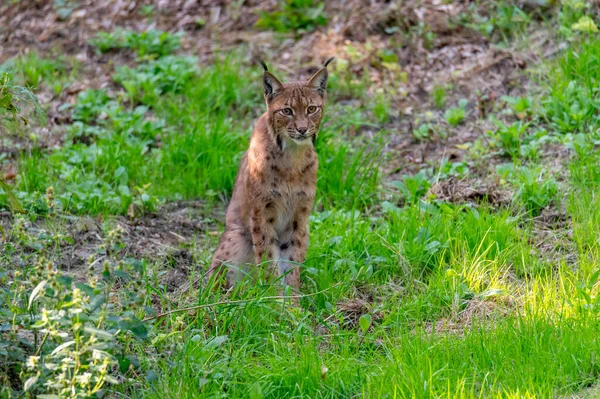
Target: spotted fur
[{"x": 274, "y": 192}]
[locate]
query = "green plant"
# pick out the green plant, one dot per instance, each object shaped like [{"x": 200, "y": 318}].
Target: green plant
[
  {"x": 152, "y": 43},
  {"x": 509, "y": 137},
  {"x": 534, "y": 189},
  {"x": 504, "y": 20},
  {"x": 423, "y": 32},
  {"x": 571, "y": 103},
  {"x": 149, "y": 81},
  {"x": 509, "y": 20},
  {"x": 381, "y": 108},
  {"x": 423, "y": 131},
  {"x": 64, "y": 8},
  {"x": 349, "y": 176},
  {"x": 456, "y": 116},
  {"x": 521, "y": 107},
  {"x": 572, "y": 16},
  {"x": 36, "y": 69},
  {"x": 439, "y": 96},
  {"x": 79, "y": 331},
  {"x": 148, "y": 11},
  {"x": 36, "y": 72},
  {"x": 294, "y": 15},
  {"x": 413, "y": 187},
  {"x": 90, "y": 104},
  {"x": 12, "y": 98},
  {"x": 449, "y": 169}
]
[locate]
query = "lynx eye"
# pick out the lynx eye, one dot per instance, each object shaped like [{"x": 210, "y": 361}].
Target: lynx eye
[
  {"x": 287, "y": 112},
  {"x": 312, "y": 109}
]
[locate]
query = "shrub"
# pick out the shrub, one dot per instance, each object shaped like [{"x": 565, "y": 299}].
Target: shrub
[{"x": 75, "y": 333}]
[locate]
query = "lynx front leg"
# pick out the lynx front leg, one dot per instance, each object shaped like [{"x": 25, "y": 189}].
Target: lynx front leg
[
  {"x": 233, "y": 253},
  {"x": 293, "y": 253},
  {"x": 264, "y": 238}
]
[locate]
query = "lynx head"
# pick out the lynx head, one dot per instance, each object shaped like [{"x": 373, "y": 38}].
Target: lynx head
[{"x": 295, "y": 109}]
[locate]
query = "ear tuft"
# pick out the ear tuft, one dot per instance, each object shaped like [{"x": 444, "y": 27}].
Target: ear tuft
[
  {"x": 261, "y": 62},
  {"x": 328, "y": 61},
  {"x": 318, "y": 82},
  {"x": 272, "y": 85}
]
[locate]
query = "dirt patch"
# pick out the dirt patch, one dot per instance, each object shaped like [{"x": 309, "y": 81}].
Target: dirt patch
[
  {"x": 469, "y": 192},
  {"x": 367, "y": 299},
  {"x": 352, "y": 310},
  {"x": 167, "y": 235},
  {"x": 164, "y": 231}
]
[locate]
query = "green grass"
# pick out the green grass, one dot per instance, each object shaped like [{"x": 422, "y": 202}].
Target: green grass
[
  {"x": 177, "y": 125},
  {"x": 152, "y": 43},
  {"x": 455, "y": 116},
  {"x": 572, "y": 85},
  {"x": 34, "y": 72},
  {"x": 544, "y": 347},
  {"x": 506, "y": 361},
  {"x": 297, "y": 16},
  {"x": 405, "y": 295}
]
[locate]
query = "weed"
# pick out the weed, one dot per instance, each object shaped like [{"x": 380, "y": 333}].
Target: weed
[
  {"x": 152, "y": 43},
  {"x": 449, "y": 169},
  {"x": 12, "y": 99},
  {"x": 535, "y": 190},
  {"x": 345, "y": 85},
  {"x": 571, "y": 104},
  {"x": 77, "y": 332},
  {"x": 423, "y": 32},
  {"x": 64, "y": 8},
  {"x": 509, "y": 137},
  {"x": 439, "y": 96},
  {"x": 412, "y": 188},
  {"x": 504, "y": 21},
  {"x": 582, "y": 205},
  {"x": 423, "y": 131},
  {"x": 521, "y": 107},
  {"x": 572, "y": 17},
  {"x": 90, "y": 104},
  {"x": 456, "y": 116},
  {"x": 381, "y": 108},
  {"x": 34, "y": 72},
  {"x": 294, "y": 15},
  {"x": 348, "y": 175},
  {"x": 149, "y": 81}
]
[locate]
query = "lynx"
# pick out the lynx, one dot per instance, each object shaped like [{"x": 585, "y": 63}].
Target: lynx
[{"x": 274, "y": 191}]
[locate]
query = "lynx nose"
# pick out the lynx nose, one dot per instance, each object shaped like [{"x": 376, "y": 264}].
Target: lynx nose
[{"x": 301, "y": 130}]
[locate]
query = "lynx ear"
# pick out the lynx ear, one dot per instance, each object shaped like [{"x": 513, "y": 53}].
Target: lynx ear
[
  {"x": 318, "y": 82},
  {"x": 271, "y": 84}
]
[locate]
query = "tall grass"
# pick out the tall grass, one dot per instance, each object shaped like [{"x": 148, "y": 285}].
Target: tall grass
[
  {"x": 572, "y": 83},
  {"x": 178, "y": 137}
]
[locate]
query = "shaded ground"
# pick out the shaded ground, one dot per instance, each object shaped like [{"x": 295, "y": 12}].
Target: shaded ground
[{"x": 169, "y": 234}]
